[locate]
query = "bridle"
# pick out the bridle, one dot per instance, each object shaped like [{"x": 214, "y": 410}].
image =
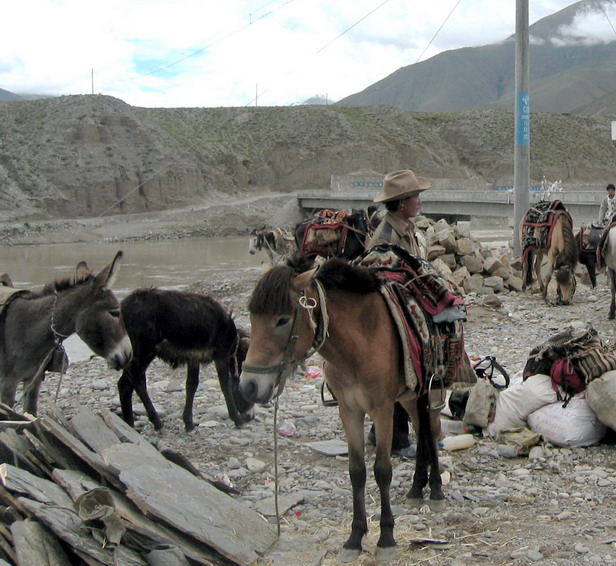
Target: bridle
[{"x": 320, "y": 328}]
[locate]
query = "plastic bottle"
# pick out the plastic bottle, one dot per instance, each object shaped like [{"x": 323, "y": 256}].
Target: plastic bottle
[
  {"x": 449, "y": 426},
  {"x": 458, "y": 442}
]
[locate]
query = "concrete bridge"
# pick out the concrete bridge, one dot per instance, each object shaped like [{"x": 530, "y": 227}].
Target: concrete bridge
[{"x": 454, "y": 205}]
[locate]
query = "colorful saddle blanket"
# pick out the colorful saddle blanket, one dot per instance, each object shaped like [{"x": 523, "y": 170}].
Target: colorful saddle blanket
[
  {"x": 325, "y": 234},
  {"x": 538, "y": 224},
  {"x": 590, "y": 237},
  {"x": 428, "y": 313}
]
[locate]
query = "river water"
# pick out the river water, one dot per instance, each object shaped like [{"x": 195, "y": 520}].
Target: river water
[{"x": 169, "y": 264}]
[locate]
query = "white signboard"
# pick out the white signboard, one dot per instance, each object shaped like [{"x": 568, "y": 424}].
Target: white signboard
[{"x": 613, "y": 130}]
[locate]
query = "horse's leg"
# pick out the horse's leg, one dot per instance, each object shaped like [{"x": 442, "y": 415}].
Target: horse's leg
[
  {"x": 544, "y": 281},
  {"x": 31, "y": 393},
  {"x": 612, "y": 277},
  {"x": 223, "y": 368},
  {"x": 8, "y": 391},
  {"x": 192, "y": 383},
  {"x": 590, "y": 261},
  {"x": 420, "y": 477},
  {"x": 353, "y": 423},
  {"x": 427, "y": 430},
  {"x": 133, "y": 378},
  {"x": 383, "y": 423}
]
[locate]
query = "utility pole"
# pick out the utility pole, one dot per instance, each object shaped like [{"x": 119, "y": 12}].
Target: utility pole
[
  {"x": 521, "y": 156},
  {"x": 92, "y": 72}
]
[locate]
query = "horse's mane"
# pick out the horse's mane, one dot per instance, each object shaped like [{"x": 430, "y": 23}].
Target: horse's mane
[
  {"x": 271, "y": 294},
  {"x": 569, "y": 256},
  {"x": 63, "y": 284},
  {"x": 337, "y": 273}
]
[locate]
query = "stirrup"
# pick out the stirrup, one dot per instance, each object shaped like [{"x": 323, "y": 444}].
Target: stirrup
[
  {"x": 437, "y": 408},
  {"x": 333, "y": 402}
]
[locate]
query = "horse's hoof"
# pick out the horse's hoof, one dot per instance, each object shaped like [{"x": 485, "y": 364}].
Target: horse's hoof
[
  {"x": 610, "y": 316},
  {"x": 415, "y": 502},
  {"x": 349, "y": 554},
  {"x": 385, "y": 554},
  {"x": 437, "y": 505}
]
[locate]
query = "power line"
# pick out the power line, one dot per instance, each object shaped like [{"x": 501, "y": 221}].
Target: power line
[
  {"x": 210, "y": 45},
  {"x": 351, "y": 27},
  {"x": 438, "y": 31}
]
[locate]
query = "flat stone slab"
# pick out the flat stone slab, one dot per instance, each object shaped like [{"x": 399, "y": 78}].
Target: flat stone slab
[{"x": 333, "y": 447}]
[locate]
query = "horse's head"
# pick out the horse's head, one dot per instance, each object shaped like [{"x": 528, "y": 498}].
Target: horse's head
[
  {"x": 282, "y": 331},
  {"x": 565, "y": 282},
  {"x": 255, "y": 241},
  {"x": 99, "y": 323}
]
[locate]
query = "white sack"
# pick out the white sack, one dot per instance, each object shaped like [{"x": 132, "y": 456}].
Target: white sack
[
  {"x": 601, "y": 396},
  {"x": 515, "y": 403},
  {"x": 575, "y": 425}
]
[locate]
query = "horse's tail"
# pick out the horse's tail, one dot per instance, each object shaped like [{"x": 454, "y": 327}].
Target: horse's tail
[{"x": 527, "y": 263}]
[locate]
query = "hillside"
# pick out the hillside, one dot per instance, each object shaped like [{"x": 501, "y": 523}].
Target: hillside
[{"x": 85, "y": 156}]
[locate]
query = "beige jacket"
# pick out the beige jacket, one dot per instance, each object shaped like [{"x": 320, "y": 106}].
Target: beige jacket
[{"x": 394, "y": 230}]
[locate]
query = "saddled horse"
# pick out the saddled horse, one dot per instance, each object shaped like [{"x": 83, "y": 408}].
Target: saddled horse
[
  {"x": 182, "y": 328},
  {"x": 276, "y": 243},
  {"x": 587, "y": 241},
  {"x": 606, "y": 253},
  {"x": 333, "y": 234},
  {"x": 547, "y": 230},
  {"x": 33, "y": 326},
  {"x": 340, "y": 311}
]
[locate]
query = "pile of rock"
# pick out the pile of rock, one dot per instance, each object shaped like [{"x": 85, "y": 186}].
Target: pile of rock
[{"x": 459, "y": 257}]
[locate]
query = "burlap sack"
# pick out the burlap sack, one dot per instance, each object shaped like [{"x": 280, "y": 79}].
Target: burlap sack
[
  {"x": 481, "y": 405},
  {"x": 601, "y": 397}
]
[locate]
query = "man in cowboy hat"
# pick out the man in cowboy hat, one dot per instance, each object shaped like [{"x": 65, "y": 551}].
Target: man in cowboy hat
[{"x": 400, "y": 195}]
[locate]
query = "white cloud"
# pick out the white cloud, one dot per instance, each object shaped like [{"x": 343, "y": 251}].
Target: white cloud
[{"x": 210, "y": 53}]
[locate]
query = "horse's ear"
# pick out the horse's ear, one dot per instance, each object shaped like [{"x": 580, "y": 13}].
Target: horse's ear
[
  {"x": 107, "y": 276},
  {"x": 303, "y": 280},
  {"x": 82, "y": 271}
]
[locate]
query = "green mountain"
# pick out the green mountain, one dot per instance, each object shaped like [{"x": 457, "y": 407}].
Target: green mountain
[{"x": 568, "y": 73}]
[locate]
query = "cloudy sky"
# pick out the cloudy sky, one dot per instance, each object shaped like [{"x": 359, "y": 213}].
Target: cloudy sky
[{"x": 187, "y": 53}]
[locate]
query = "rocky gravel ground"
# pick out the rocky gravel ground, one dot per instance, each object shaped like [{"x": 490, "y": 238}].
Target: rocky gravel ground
[{"x": 556, "y": 509}]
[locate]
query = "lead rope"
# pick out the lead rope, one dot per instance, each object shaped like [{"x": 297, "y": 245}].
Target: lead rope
[
  {"x": 309, "y": 304},
  {"x": 276, "y": 467},
  {"x": 58, "y": 337}
]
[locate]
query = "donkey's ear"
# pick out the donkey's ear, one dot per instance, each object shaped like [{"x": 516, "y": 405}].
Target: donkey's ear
[
  {"x": 107, "y": 276},
  {"x": 82, "y": 271}
]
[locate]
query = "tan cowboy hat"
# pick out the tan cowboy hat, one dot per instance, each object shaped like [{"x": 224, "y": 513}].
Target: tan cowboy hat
[{"x": 400, "y": 184}]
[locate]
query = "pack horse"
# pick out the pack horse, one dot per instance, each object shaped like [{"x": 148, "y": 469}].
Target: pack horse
[
  {"x": 276, "y": 243},
  {"x": 546, "y": 230},
  {"x": 340, "y": 310}
]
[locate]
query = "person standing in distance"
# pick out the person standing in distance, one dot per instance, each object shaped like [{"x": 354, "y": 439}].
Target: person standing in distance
[
  {"x": 400, "y": 195},
  {"x": 608, "y": 206}
]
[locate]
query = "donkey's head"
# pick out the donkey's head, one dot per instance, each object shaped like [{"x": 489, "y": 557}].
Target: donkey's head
[{"x": 99, "y": 321}]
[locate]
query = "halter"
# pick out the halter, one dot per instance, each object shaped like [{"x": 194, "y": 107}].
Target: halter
[
  {"x": 308, "y": 304},
  {"x": 58, "y": 337}
]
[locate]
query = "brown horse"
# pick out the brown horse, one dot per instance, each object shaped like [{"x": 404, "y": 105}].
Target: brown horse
[
  {"x": 33, "y": 326},
  {"x": 340, "y": 311},
  {"x": 547, "y": 230}
]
